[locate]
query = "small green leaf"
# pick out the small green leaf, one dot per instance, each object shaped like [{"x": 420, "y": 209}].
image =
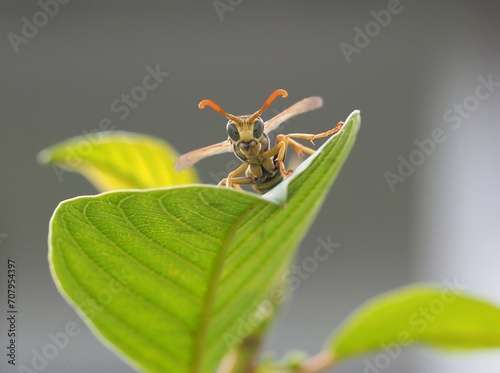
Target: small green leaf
[
  {"x": 444, "y": 318},
  {"x": 174, "y": 278},
  {"x": 119, "y": 160}
]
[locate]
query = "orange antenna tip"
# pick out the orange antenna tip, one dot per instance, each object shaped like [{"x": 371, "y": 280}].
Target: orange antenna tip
[
  {"x": 212, "y": 104},
  {"x": 218, "y": 109},
  {"x": 278, "y": 92}
]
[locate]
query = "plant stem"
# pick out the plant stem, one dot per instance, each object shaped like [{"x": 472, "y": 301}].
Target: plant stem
[
  {"x": 246, "y": 353},
  {"x": 317, "y": 363},
  {"x": 243, "y": 358}
]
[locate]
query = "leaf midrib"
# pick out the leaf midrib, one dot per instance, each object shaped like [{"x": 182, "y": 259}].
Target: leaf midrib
[{"x": 208, "y": 304}]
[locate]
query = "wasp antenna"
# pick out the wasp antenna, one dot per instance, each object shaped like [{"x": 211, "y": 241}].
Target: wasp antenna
[
  {"x": 218, "y": 109},
  {"x": 278, "y": 92},
  {"x": 212, "y": 104}
]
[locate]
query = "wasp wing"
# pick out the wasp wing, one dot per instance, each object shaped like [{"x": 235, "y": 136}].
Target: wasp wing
[
  {"x": 189, "y": 159},
  {"x": 303, "y": 106}
]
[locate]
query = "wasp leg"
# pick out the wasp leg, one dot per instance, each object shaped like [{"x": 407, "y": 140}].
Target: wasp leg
[
  {"x": 282, "y": 142},
  {"x": 234, "y": 184},
  {"x": 299, "y": 148},
  {"x": 280, "y": 150},
  {"x": 311, "y": 138},
  {"x": 237, "y": 187},
  {"x": 244, "y": 180},
  {"x": 229, "y": 179}
]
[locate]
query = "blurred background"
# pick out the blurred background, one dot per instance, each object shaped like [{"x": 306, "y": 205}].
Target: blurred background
[{"x": 417, "y": 201}]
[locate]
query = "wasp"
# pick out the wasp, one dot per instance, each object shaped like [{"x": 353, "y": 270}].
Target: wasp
[{"x": 262, "y": 166}]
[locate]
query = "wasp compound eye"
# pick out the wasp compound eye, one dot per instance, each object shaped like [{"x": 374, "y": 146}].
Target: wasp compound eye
[
  {"x": 232, "y": 131},
  {"x": 258, "y": 128}
]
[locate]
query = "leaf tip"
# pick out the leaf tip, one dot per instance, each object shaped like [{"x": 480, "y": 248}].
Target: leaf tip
[
  {"x": 44, "y": 156},
  {"x": 355, "y": 116}
]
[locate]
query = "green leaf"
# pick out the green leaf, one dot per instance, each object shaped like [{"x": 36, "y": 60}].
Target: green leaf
[
  {"x": 440, "y": 317},
  {"x": 174, "y": 278},
  {"x": 119, "y": 160}
]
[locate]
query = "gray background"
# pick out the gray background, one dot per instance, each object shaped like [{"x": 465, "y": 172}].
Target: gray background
[{"x": 440, "y": 224}]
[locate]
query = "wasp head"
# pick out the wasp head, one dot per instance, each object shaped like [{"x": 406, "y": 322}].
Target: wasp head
[{"x": 245, "y": 131}]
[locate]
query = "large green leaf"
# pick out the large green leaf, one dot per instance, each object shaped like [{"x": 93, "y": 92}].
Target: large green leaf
[
  {"x": 440, "y": 317},
  {"x": 119, "y": 160},
  {"x": 172, "y": 277}
]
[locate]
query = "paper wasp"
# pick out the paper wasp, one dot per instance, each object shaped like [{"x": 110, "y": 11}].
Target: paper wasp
[{"x": 262, "y": 166}]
